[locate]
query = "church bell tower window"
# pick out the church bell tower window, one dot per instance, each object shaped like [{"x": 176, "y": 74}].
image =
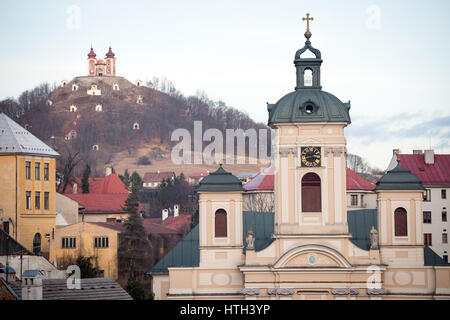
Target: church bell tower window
[{"x": 311, "y": 193}]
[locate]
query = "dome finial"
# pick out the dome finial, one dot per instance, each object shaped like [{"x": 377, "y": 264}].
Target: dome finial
[{"x": 308, "y": 33}]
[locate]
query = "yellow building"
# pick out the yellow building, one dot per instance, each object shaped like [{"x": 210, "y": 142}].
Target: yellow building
[
  {"x": 27, "y": 186},
  {"x": 96, "y": 240}
]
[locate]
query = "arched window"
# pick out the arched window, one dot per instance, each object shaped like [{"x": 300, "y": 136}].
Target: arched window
[
  {"x": 308, "y": 78},
  {"x": 401, "y": 222},
  {"x": 220, "y": 222},
  {"x": 37, "y": 243},
  {"x": 311, "y": 193}
]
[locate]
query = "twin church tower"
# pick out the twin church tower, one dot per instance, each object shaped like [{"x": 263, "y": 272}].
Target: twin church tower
[{"x": 101, "y": 67}]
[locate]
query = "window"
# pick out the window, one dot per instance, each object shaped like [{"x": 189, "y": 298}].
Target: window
[
  {"x": 101, "y": 242},
  {"x": 427, "y": 217},
  {"x": 69, "y": 243},
  {"x": 28, "y": 200},
  {"x": 401, "y": 222},
  {"x": 427, "y": 195},
  {"x": 427, "y": 239},
  {"x": 354, "y": 199},
  {"x": 362, "y": 201},
  {"x": 311, "y": 194},
  {"x": 46, "y": 201},
  {"x": 308, "y": 78},
  {"x": 37, "y": 200},
  {"x": 444, "y": 216},
  {"x": 37, "y": 171},
  {"x": 220, "y": 223},
  {"x": 444, "y": 238},
  {"x": 37, "y": 243},
  {"x": 46, "y": 172},
  {"x": 443, "y": 194},
  {"x": 28, "y": 170}
]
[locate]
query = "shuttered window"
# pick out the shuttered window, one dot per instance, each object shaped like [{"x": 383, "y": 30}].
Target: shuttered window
[
  {"x": 401, "y": 222},
  {"x": 220, "y": 221},
  {"x": 311, "y": 193}
]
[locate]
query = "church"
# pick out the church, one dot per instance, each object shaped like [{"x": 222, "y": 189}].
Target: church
[
  {"x": 100, "y": 67},
  {"x": 310, "y": 247}
]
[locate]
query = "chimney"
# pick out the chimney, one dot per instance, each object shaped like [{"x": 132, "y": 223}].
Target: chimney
[
  {"x": 176, "y": 210},
  {"x": 165, "y": 214},
  {"x": 108, "y": 171},
  {"x": 75, "y": 188},
  {"x": 429, "y": 156},
  {"x": 417, "y": 151},
  {"x": 31, "y": 288}
]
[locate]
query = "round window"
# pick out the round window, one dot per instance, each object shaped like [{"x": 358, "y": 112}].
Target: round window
[{"x": 309, "y": 108}]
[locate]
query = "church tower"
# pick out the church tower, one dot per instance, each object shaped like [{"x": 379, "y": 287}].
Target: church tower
[
  {"x": 110, "y": 63},
  {"x": 220, "y": 220},
  {"x": 91, "y": 62},
  {"x": 400, "y": 218},
  {"x": 310, "y": 173}
]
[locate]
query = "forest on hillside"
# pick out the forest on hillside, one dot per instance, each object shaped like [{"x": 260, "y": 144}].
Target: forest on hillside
[{"x": 165, "y": 109}]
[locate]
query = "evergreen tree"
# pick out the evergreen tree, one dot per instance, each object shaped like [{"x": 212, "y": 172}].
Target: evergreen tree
[
  {"x": 134, "y": 287},
  {"x": 194, "y": 220},
  {"x": 86, "y": 267},
  {"x": 85, "y": 179},
  {"x": 125, "y": 178},
  {"x": 136, "y": 181},
  {"x": 134, "y": 244}
]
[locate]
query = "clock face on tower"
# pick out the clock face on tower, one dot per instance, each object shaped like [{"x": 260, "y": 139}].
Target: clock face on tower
[{"x": 310, "y": 156}]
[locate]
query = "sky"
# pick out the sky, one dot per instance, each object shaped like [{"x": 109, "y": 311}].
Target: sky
[{"x": 389, "y": 58}]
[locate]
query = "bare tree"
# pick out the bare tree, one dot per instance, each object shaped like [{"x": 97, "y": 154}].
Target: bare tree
[
  {"x": 260, "y": 202},
  {"x": 68, "y": 163},
  {"x": 357, "y": 163}
]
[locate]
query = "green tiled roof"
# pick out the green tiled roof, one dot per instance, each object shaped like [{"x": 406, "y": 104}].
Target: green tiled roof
[
  {"x": 293, "y": 108},
  {"x": 360, "y": 223},
  {"x": 187, "y": 254},
  {"x": 220, "y": 181},
  {"x": 431, "y": 258},
  {"x": 262, "y": 224},
  {"x": 399, "y": 179}
]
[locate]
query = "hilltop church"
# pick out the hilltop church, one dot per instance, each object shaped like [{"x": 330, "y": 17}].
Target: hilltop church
[{"x": 310, "y": 247}]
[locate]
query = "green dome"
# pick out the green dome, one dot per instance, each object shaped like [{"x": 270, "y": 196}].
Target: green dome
[
  {"x": 220, "y": 181},
  {"x": 399, "y": 179},
  {"x": 309, "y": 105}
]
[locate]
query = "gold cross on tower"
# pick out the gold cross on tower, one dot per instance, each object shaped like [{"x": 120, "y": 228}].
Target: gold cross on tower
[{"x": 307, "y": 19}]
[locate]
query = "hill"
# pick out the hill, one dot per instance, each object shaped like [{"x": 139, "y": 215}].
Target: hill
[{"x": 109, "y": 120}]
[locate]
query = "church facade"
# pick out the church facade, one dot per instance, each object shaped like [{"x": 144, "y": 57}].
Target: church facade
[
  {"x": 310, "y": 247},
  {"x": 101, "y": 67}
]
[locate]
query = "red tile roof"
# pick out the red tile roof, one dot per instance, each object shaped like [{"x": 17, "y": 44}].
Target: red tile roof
[
  {"x": 265, "y": 181},
  {"x": 262, "y": 181},
  {"x": 356, "y": 182},
  {"x": 150, "y": 177},
  {"x": 176, "y": 224},
  {"x": 110, "y": 184},
  {"x": 100, "y": 203},
  {"x": 432, "y": 174}
]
